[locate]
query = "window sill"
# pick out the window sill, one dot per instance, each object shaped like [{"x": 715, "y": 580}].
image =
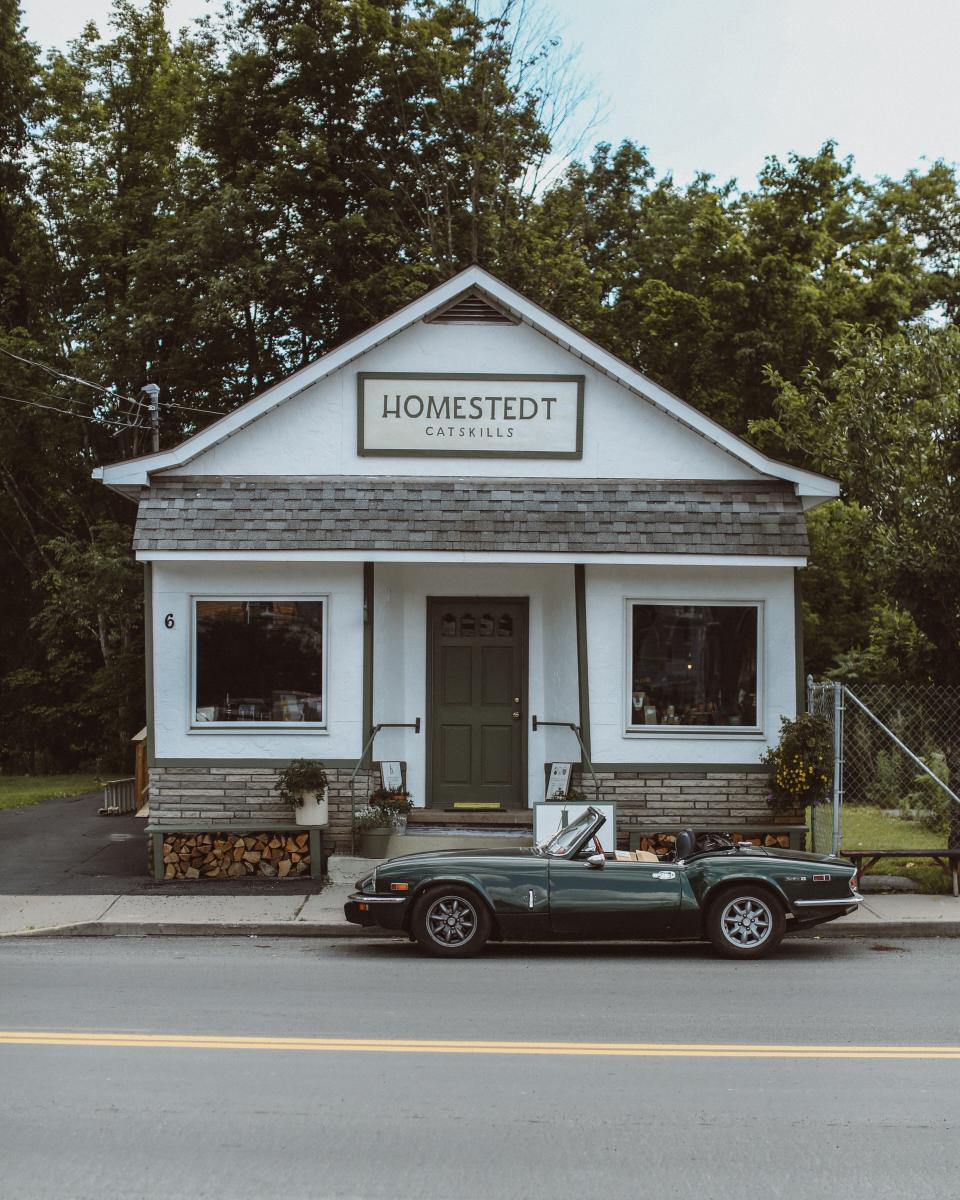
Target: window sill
[
  {"x": 657, "y": 731},
  {"x": 285, "y": 729}
]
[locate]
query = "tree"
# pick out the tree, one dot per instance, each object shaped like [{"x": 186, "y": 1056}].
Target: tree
[
  {"x": 885, "y": 421},
  {"x": 702, "y": 287}
]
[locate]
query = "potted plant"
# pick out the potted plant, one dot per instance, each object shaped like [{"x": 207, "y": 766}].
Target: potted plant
[
  {"x": 393, "y": 804},
  {"x": 800, "y": 764},
  {"x": 304, "y": 785}
]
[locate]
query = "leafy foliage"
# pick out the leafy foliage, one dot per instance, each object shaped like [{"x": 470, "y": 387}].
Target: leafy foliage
[
  {"x": 211, "y": 209},
  {"x": 885, "y": 420},
  {"x": 302, "y": 775},
  {"x": 800, "y": 763}
]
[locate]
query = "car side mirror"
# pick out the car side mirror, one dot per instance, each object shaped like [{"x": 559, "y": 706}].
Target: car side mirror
[{"x": 597, "y": 860}]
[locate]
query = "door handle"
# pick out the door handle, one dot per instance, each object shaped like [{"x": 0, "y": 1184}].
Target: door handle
[{"x": 516, "y": 716}]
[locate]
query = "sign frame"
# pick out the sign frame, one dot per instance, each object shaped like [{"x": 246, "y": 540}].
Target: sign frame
[
  {"x": 364, "y": 452},
  {"x": 391, "y": 774},
  {"x": 560, "y": 778}
]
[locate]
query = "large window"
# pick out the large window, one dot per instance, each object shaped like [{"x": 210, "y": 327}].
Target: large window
[
  {"x": 693, "y": 665},
  {"x": 259, "y": 661}
]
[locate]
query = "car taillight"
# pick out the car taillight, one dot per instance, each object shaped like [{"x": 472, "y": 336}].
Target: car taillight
[{"x": 853, "y": 883}]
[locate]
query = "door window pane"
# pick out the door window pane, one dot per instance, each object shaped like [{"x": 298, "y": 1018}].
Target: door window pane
[
  {"x": 259, "y": 661},
  {"x": 694, "y": 665}
]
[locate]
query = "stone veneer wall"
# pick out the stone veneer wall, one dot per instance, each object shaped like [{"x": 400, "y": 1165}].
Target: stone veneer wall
[
  {"x": 688, "y": 798},
  {"x": 224, "y": 796}
]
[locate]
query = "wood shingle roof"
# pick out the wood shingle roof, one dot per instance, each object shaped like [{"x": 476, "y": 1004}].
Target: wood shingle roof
[{"x": 568, "y": 516}]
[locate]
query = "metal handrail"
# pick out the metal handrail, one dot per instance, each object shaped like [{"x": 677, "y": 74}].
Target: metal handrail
[
  {"x": 415, "y": 726},
  {"x": 571, "y": 725}
]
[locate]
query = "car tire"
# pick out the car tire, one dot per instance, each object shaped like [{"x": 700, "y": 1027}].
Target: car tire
[
  {"x": 746, "y": 922},
  {"x": 451, "y": 922}
]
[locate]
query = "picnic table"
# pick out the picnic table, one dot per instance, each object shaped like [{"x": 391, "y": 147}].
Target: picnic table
[{"x": 863, "y": 860}]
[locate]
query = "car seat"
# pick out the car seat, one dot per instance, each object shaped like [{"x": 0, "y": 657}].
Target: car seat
[{"x": 685, "y": 844}]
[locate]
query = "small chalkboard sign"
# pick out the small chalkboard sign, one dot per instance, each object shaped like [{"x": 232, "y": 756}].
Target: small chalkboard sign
[
  {"x": 391, "y": 776},
  {"x": 558, "y": 780}
]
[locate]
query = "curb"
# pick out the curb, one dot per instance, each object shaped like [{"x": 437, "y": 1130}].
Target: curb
[
  {"x": 898, "y": 930},
  {"x": 293, "y": 929},
  {"x": 885, "y": 929}
]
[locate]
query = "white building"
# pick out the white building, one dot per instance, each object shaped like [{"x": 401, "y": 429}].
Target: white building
[{"x": 474, "y": 516}]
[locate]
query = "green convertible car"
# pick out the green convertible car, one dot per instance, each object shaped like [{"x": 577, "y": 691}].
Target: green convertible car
[{"x": 743, "y": 898}]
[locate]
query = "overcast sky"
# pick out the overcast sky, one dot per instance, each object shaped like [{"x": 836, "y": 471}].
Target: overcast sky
[{"x": 716, "y": 85}]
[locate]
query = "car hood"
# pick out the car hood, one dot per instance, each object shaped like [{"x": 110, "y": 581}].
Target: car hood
[{"x": 445, "y": 855}]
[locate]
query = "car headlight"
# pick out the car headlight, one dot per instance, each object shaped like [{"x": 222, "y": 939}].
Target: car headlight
[{"x": 368, "y": 883}]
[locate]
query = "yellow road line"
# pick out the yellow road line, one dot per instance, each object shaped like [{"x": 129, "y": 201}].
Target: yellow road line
[{"x": 176, "y": 1041}]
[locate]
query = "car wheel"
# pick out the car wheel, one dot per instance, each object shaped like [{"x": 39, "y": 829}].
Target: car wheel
[
  {"x": 746, "y": 922},
  {"x": 452, "y": 922}
]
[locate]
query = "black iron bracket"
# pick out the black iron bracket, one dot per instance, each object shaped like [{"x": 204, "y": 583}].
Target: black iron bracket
[{"x": 575, "y": 729}]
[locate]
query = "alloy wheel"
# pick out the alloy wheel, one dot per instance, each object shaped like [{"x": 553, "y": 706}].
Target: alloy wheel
[
  {"x": 746, "y": 922},
  {"x": 451, "y": 921}
]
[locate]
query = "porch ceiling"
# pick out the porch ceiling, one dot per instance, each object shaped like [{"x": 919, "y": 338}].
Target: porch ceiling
[{"x": 449, "y": 515}]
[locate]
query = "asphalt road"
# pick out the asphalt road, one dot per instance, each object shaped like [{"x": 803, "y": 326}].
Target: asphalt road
[
  {"x": 213, "y": 1118},
  {"x": 63, "y": 847}
]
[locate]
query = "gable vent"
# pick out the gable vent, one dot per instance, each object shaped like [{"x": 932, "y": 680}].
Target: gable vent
[{"x": 471, "y": 309}]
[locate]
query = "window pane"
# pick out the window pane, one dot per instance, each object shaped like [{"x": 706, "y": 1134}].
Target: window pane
[
  {"x": 259, "y": 660},
  {"x": 694, "y": 665}
]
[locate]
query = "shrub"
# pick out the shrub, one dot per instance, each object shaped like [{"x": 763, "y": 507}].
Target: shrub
[{"x": 800, "y": 763}]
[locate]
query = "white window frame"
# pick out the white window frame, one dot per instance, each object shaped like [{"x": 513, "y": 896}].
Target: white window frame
[
  {"x": 649, "y": 731},
  {"x": 285, "y": 727}
]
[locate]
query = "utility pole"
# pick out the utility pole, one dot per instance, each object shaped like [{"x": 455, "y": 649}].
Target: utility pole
[{"x": 152, "y": 392}]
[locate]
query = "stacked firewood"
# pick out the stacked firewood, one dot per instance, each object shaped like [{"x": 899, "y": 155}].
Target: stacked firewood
[
  {"x": 231, "y": 855},
  {"x": 660, "y": 843}
]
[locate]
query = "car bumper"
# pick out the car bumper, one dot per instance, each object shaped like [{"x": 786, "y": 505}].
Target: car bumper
[
  {"x": 384, "y": 912},
  {"x": 816, "y": 912}
]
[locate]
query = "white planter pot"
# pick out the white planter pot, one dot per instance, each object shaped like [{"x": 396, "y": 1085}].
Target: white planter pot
[{"x": 313, "y": 809}]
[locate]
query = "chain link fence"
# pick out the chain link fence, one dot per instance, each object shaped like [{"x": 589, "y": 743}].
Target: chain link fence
[
  {"x": 825, "y": 818},
  {"x": 896, "y": 770}
]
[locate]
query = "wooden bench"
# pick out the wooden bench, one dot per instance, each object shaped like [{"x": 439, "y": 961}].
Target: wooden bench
[
  {"x": 796, "y": 833},
  {"x": 863, "y": 860},
  {"x": 156, "y": 834}
]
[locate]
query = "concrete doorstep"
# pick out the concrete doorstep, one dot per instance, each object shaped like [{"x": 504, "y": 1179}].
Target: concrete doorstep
[{"x": 321, "y": 915}]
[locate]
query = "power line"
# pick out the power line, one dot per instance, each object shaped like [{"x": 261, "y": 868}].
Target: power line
[
  {"x": 190, "y": 408},
  {"x": 63, "y": 375},
  {"x": 111, "y": 392},
  {"x": 81, "y": 400},
  {"x": 68, "y": 413}
]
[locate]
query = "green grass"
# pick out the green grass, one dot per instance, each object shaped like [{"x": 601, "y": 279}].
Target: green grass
[
  {"x": 19, "y": 790},
  {"x": 868, "y": 828}
]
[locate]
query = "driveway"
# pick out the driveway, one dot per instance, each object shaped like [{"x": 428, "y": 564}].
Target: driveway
[{"x": 64, "y": 847}]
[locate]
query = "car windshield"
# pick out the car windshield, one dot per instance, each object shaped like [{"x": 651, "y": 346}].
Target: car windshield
[{"x": 565, "y": 839}]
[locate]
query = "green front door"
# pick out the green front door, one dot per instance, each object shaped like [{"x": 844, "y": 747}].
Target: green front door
[{"x": 476, "y": 697}]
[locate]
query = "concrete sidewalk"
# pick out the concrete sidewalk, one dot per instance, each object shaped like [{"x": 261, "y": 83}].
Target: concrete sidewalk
[{"x": 322, "y": 915}]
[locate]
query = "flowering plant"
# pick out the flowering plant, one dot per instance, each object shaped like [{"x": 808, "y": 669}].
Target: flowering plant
[
  {"x": 369, "y": 818},
  {"x": 392, "y": 803},
  {"x": 800, "y": 763}
]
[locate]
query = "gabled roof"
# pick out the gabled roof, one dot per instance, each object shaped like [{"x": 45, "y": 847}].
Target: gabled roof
[{"x": 129, "y": 476}]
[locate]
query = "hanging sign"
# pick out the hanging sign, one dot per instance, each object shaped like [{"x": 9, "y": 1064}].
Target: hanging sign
[{"x": 470, "y": 416}]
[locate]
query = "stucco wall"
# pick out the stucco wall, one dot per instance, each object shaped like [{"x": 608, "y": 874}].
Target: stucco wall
[
  {"x": 174, "y": 584},
  {"x": 315, "y": 433},
  {"x": 607, "y": 590},
  {"x": 400, "y": 654}
]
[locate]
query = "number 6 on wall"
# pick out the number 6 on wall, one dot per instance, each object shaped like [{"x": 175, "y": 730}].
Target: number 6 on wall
[{"x": 169, "y": 621}]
